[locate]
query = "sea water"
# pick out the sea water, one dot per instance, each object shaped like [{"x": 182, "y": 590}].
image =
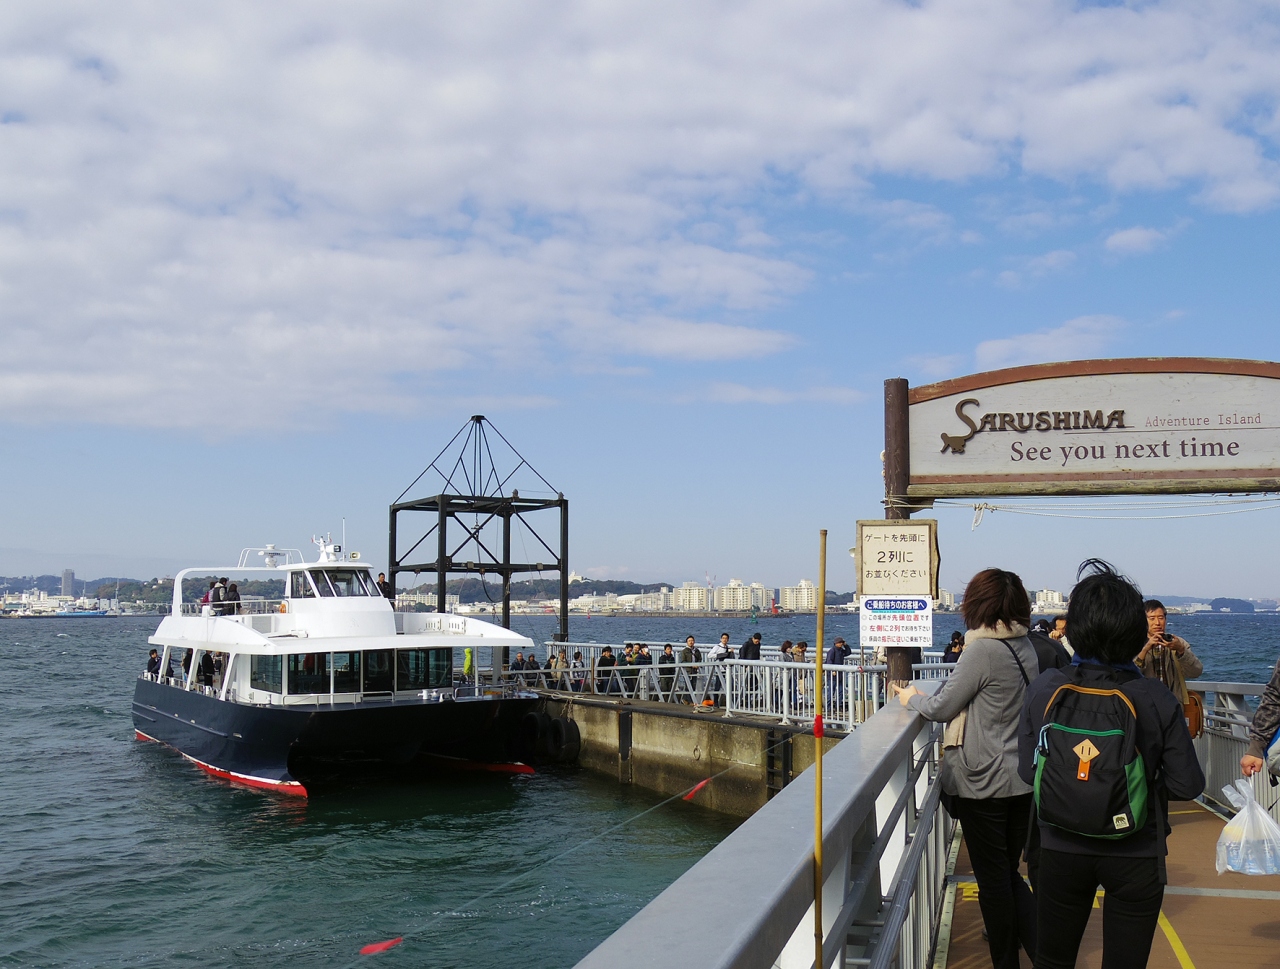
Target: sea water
[{"x": 120, "y": 853}]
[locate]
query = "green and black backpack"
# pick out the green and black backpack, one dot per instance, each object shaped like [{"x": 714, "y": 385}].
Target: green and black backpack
[{"x": 1090, "y": 779}]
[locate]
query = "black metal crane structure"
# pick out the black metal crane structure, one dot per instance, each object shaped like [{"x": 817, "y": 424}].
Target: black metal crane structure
[{"x": 472, "y": 512}]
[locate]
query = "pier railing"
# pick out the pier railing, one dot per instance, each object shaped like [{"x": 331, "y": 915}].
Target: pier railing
[
  {"x": 1227, "y": 716},
  {"x": 766, "y": 688},
  {"x": 885, "y": 844}
]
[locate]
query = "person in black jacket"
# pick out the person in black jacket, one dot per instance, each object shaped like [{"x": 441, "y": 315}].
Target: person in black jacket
[
  {"x": 153, "y": 663},
  {"x": 751, "y": 648},
  {"x": 1108, "y": 627}
]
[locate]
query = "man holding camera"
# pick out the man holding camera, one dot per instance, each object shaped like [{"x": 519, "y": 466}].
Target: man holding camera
[{"x": 1166, "y": 657}]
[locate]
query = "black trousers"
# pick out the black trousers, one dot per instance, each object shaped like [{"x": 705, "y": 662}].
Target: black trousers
[
  {"x": 1130, "y": 910},
  {"x": 995, "y": 831}
]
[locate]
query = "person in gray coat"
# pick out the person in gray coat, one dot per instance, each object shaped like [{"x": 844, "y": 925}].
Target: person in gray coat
[{"x": 979, "y": 771}]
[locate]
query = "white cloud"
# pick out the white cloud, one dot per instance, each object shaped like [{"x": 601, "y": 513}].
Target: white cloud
[
  {"x": 248, "y": 199},
  {"x": 1133, "y": 241},
  {"x": 1037, "y": 266},
  {"x": 1080, "y": 338}
]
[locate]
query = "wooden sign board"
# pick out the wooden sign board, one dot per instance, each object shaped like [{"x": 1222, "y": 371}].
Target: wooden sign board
[
  {"x": 898, "y": 558},
  {"x": 1140, "y": 426}
]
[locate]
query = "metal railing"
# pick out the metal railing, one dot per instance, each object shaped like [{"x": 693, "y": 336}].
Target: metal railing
[
  {"x": 885, "y": 841},
  {"x": 765, "y": 688},
  {"x": 229, "y": 610},
  {"x": 1227, "y": 717}
]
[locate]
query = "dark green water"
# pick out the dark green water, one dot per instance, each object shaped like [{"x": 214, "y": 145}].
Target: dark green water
[{"x": 119, "y": 853}]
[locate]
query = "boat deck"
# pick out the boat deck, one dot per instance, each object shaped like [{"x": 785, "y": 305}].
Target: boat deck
[{"x": 1208, "y": 920}]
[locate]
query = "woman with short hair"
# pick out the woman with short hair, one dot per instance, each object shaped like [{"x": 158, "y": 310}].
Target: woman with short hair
[{"x": 979, "y": 773}]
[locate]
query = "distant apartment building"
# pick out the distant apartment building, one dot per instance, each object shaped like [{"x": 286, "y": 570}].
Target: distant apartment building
[
  {"x": 68, "y": 582},
  {"x": 428, "y": 599},
  {"x": 946, "y": 600},
  {"x": 690, "y": 597},
  {"x": 798, "y": 598},
  {"x": 1048, "y": 600},
  {"x": 734, "y": 597}
]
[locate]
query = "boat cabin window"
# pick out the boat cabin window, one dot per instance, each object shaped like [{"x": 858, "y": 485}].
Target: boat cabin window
[
  {"x": 300, "y": 588},
  {"x": 346, "y": 672},
  {"x": 379, "y": 673},
  {"x": 346, "y": 582},
  {"x": 264, "y": 673},
  {"x": 423, "y": 669},
  {"x": 322, "y": 584},
  {"x": 308, "y": 673}
]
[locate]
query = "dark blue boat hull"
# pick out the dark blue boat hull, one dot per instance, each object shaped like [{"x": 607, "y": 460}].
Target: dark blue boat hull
[{"x": 293, "y": 748}]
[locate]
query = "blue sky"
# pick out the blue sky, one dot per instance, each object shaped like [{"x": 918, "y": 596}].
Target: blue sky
[{"x": 257, "y": 266}]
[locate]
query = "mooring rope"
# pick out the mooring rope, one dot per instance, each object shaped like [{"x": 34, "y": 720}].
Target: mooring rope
[{"x": 687, "y": 794}]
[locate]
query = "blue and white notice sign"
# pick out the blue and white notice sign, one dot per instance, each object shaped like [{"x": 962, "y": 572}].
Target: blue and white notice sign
[{"x": 894, "y": 621}]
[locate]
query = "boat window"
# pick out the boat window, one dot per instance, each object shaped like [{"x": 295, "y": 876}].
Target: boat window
[
  {"x": 378, "y": 674},
  {"x": 346, "y": 672},
  {"x": 308, "y": 673},
  {"x": 301, "y": 588},
  {"x": 322, "y": 584},
  {"x": 421, "y": 669},
  {"x": 345, "y": 583},
  {"x": 264, "y": 672},
  {"x": 370, "y": 587},
  {"x": 441, "y": 669}
]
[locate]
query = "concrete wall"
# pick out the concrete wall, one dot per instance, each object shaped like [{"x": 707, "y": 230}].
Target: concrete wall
[{"x": 669, "y": 748}]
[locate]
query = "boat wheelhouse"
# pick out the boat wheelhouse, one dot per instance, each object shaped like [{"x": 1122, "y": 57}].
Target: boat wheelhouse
[{"x": 325, "y": 682}]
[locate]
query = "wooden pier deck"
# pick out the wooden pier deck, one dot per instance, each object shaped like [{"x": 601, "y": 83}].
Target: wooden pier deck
[{"x": 1208, "y": 920}]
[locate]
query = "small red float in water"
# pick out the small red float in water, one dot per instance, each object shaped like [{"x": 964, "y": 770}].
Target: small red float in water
[
  {"x": 699, "y": 786},
  {"x": 373, "y": 948}
]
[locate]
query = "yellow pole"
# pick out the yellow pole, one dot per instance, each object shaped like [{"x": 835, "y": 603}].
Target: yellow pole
[{"x": 818, "y": 732}]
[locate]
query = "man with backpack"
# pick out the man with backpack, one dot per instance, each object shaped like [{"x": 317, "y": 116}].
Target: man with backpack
[{"x": 1104, "y": 748}]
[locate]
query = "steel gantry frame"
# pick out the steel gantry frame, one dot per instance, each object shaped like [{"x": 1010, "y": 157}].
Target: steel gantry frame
[{"x": 474, "y": 485}]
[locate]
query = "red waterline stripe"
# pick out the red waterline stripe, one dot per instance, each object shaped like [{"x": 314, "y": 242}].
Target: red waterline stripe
[{"x": 284, "y": 787}]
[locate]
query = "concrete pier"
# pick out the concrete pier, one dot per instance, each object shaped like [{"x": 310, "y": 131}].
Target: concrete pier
[{"x": 669, "y": 748}]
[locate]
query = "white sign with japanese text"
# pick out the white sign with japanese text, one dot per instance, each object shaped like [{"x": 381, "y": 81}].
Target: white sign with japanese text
[
  {"x": 898, "y": 558},
  {"x": 894, "y": 621}
]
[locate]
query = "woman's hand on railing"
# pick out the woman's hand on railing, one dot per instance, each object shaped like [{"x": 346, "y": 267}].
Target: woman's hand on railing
[{"x": 905, "y": 693}]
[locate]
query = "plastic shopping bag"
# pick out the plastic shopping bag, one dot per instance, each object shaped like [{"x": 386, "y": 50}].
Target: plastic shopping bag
[{"x": 1250, "y": 843}]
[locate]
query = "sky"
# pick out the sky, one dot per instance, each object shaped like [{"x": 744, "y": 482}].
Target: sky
[{"x": 259, "y": 263}]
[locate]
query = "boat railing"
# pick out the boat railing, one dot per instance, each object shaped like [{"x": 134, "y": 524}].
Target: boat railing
[
  {"x": 885, "y": 840},
  {"x": 1228, "y": 714},
  {"x": 245, "y": 607}
]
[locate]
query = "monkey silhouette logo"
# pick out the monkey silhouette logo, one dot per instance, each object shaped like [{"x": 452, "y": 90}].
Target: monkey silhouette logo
[{"x": 955, "y": 442}]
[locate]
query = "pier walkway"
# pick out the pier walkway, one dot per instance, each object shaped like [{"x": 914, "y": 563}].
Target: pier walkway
[
  {"x": 897, "y": 889},
  {"x": 1207, "y": 921}
]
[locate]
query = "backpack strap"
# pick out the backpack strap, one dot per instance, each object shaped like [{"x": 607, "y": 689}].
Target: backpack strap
[{"x": 1021, "y": 668}]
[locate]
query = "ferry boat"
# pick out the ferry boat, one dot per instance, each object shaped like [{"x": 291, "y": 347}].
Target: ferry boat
[{"x": 326, "y": 683}]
